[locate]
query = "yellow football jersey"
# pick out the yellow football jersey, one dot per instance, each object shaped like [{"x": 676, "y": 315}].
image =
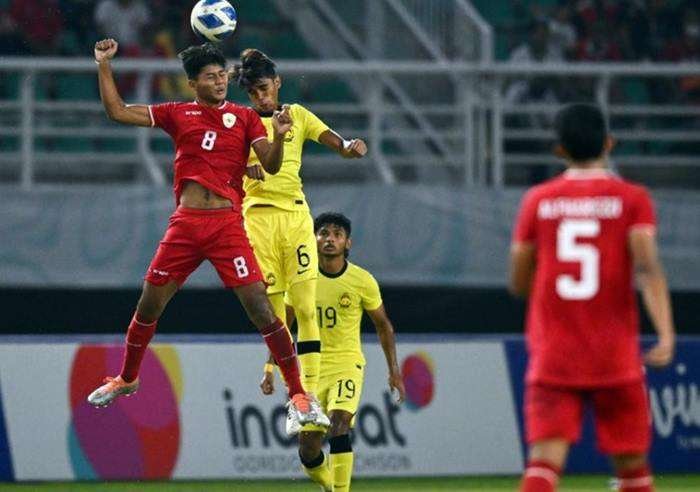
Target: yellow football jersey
[
  {"x": 284, "y": 189},
  {"x": 340, "y": 301}
]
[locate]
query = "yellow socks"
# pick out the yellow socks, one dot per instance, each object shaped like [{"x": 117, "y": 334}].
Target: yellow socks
[
  {"x": 302, "y": 297},
  {"x": 318, "y": 471},
  {"x": 340, "y": 462}
]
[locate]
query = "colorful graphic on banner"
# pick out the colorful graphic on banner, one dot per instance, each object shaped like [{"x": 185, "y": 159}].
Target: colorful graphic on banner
[
  {"x": 418, "y": 373},
  {"x": 674, "y": 396},
  {"x": 133, "y": 438},
  {"x": 6, "y": 471}
]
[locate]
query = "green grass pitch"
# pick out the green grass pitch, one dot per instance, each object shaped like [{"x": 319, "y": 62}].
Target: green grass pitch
[{"x": 587, "y": 483}]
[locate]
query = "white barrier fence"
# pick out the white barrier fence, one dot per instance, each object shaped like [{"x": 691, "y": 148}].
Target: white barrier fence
[{"x": 462, "y": 128}]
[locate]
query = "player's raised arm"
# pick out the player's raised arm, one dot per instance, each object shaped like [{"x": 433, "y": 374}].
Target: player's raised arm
[
  {"x": 114, "y": 105},
  {"x": 652, "y": 282},
  {"x": 271, "y": 154},
  {"x": 350, "y": 149},
  {"x": 385, "y": 330}
]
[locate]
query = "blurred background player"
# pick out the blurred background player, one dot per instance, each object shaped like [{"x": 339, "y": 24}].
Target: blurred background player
[
  {"x": 578, "y": 239},
  {"x": 277, "y": 215},
  {"x": 213, "y": 139},
  {"x": 344, "y": 292}
]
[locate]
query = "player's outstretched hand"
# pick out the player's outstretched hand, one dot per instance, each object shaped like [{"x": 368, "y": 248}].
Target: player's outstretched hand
[
  {"x": 660, "y": 355},
  {"x": 267, "y": 385},
  {"x": 255, "y": 172},
  {"x": 356, "y": 149},
  {"x": 105, "y": 49},
  {"x": 397, "y": 387},
  {"x": 282, "y": 120}
]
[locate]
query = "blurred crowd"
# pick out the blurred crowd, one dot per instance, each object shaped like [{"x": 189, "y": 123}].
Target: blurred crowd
[
  {"x": 71, "y": 27},
  {"x": 603, "y": 31}
]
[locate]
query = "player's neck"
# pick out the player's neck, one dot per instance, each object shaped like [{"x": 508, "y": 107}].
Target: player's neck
[
  {"x": 600, "y": 164},
  {"x": 209, "y": 104},
  {"x": 332, "y": 266}
]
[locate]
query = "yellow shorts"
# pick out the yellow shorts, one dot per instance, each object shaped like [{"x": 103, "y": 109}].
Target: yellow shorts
[
  {"x": 284, "y": 245},
  {"x": 339, "y": 388}
]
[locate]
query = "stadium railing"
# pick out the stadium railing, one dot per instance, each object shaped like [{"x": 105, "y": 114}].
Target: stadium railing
[{"x": 491, "y": 138}]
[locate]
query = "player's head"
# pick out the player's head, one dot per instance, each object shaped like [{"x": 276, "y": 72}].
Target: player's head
[
  {"x": 205, "y": 66},
  {"x": 256, "y": 74},
  {"x": 333, "y": 234},
  {"x": 582, "y": 134}
]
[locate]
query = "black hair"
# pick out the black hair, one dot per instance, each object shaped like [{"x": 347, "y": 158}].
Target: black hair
[
  {"x": 255, "y": 65},
  {"x": 195, "y": 58},
  {"x": 333, "y": 218},
  {"x": 581, "y": 129}
]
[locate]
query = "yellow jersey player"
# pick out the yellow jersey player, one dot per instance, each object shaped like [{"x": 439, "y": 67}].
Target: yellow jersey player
[
  {"x": 344, "y": 292},
  {"x": 277, "y": 217}
]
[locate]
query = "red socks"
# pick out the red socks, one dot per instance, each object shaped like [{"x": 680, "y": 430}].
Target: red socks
[
  {"x": 540, "y": 476},
  {"x": 138, "y": 336},
  {"x": 280, "y": 344},
  {"x": 636, "y": 480}
]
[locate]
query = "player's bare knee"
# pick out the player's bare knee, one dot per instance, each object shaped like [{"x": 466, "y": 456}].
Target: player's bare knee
[
  {"x": 340, "y": 423},
  {"x": 622, "y": 462},
  {"x": 310, "y": 444}
]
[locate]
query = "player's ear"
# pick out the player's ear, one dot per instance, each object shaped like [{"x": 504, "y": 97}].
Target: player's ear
[
  {"x": 192, "y": 83},
  {"x": 560, "y": 152},
  {"x": 348, "y": 244},
  {"x": 609, "y": 144},
  {"x": 277, "y": 82}
]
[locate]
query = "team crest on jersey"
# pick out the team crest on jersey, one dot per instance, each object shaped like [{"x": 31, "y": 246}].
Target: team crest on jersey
[
  {"x": 271, "y": 279},
  {"x": 289, "y": 136},
  {"x": 345, "y": 300},
  {"x": 229, "y": 119}
]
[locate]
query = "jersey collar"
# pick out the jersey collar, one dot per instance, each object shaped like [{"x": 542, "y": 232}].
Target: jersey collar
[
  {"x": 334, "y": 275},
  {"x": 221, "y": 106}
]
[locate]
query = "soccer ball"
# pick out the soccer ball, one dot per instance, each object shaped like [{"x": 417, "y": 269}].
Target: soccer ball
[{"x": 213, "y": 20}]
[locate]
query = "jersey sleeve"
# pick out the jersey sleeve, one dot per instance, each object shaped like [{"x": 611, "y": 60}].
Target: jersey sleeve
[
  {"x": 526, "y": 221},
  {"x": 255, "y": 130},
  {"x": 313, "y": 125},
  {"x": 162, "y": 116},
  {"x": 371, "y": 296},
  {"x": 642, "y": 213}
]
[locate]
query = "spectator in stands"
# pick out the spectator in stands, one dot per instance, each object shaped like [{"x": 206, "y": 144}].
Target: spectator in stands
[
  {"x": 40, "y": 22},
  {"x": 687, "y": 49},
  {"x": 11, "y": 40},
  {"x": 603, "y": 43},
  {"x": 538, "y": 48},
  {"x": 562, "y": 31},
  {"x": 125, "y": 21}
]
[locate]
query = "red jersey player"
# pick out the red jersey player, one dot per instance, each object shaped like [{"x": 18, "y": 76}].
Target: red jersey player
[
  {"x": 578, "y": 240},
  {"x": 212, "y": 138}
]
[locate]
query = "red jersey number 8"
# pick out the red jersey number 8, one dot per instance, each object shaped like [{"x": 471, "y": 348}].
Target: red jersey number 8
[
  {"x": 587, "y": 255},
  {"x": 208, "y": 140}
]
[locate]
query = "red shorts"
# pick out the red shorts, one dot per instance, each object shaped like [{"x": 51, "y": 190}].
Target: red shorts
[
  {"x": 195, "y": 235},
  {"x": 621, "y": 413}
]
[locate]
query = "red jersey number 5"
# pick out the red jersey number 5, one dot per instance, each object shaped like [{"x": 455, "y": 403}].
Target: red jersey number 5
[{"x": 587, "y": 255}]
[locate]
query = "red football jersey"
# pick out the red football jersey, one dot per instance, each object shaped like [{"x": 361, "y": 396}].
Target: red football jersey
[
  {"x": 211, "y": 144},
  {"x": 582, "y": 325}
]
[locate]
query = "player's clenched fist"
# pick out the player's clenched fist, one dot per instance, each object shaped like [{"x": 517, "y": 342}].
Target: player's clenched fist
[
  {"x": 105, "y": 49},
  {"x": 282, "y": 120},
  {"x": 355, "y": 148},
  {"x": 267, "y": 385}
]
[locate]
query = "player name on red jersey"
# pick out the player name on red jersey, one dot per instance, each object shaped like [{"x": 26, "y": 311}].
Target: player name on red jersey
[{"x": 602, "y": 207}]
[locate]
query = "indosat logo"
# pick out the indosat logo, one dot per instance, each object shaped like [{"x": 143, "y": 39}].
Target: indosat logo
[
  {"x": 133, "y": 438},
  {"x": 418, "y": 373}
]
